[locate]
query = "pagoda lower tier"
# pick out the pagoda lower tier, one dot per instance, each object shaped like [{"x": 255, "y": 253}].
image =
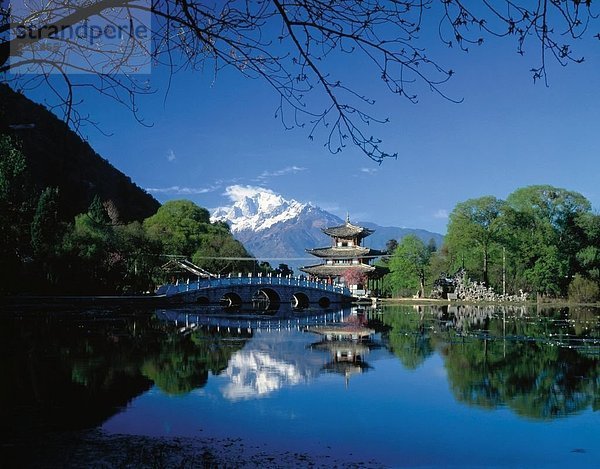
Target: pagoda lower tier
[
  {"x": 338, "y": 270},
  {"x": 346, "y": 252}
]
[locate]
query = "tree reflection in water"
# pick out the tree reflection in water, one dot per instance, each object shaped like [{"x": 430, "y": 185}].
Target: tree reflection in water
[
  {"x": 184, "y": 361},
  {"x": 542, "y": 364},
  {"x": 69, "y": 371}
]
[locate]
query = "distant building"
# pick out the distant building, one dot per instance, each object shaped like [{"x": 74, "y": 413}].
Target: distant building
[{"x": 346, "y": 257}]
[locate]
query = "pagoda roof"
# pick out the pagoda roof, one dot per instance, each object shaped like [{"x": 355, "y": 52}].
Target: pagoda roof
[
  {"x": 335, "y": 346},
  {"x": 338, "y": 270},
  {"x": 185, "y": 266},
  {"x": 335, "y": 270},
  {"x": 345, "y": 252},
  {"x": 348, "y": 230},
  {"x": 346, "y": 368}
]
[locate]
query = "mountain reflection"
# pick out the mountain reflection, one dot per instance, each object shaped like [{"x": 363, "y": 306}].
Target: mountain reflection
[
  {"x": 541, "y": 364},
  {"x": 257, "y": 374}
]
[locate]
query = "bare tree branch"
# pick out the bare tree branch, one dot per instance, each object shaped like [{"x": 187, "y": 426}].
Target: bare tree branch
[{"x": 291, "y": 45}]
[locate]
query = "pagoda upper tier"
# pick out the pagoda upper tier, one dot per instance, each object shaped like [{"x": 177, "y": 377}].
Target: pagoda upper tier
[
  {"x": 345, "y": 253},
  {"x": 348, "y": 231}
]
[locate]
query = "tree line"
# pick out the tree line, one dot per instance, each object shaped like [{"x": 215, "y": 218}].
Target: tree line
[
  {"x": 96, "y": 253},
  {"x": 542, "y": 239}
]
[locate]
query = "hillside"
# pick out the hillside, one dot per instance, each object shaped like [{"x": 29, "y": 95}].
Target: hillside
[{"x": 56, "y": 156}]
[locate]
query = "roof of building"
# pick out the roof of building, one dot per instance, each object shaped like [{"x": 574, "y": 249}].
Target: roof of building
[
  {"x": 348, "y": 230},
  {"x": 345, "y": 252},
  {"x": 338, "y": 270},
  {"x": 335, "y": 270},
  {"x": 183, "y": 266}
]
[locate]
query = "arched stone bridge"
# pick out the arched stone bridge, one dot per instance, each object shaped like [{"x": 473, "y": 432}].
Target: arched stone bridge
[{"x": 257, "y": 291}]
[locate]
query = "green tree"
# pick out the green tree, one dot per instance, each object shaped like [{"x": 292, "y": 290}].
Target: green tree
[
  {"x": 440, "y": 264},
  {"x": 583, "y": 290},
  {"x": 98, "y": 213},
  {"x": 409, "y": 265},
  {"x": 284, "y": 270},
  {"x": 92, "y": 260},
  {"x": 391, "y": 246},
  {"x": 474, "y": 233},
  {"x": 588, "y": 256},
  {"x": 141, "y": 258},
  {"x": 543, "y": 236},
  {"x": 14, "y": 212},
  {"x": 178, "y": 225},
  {"x": 184, "y": 229},
  {"x": 45, "y": 224},
  {"x": 265, "y": 268},
  {"x": 218, "y": 252},
  {"x": 46, "y": 234}
]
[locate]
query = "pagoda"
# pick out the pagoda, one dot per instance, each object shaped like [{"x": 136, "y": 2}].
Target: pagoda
[{"x": 346, "y": 253}]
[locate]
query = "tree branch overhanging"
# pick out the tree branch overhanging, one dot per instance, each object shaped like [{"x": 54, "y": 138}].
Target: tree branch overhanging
[{"x": 294, "y": 46}]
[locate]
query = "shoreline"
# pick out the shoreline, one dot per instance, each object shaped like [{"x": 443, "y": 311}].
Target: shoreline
[
  {"x": 95, "y": 448},
  {"x": 559, "y": 303},
  {"x": 62, "y": 301}
]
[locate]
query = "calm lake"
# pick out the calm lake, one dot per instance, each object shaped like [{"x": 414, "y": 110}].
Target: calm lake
[{"x": 432, "y": 386}]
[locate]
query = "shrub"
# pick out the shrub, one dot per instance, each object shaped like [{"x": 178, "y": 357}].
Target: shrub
[{"x": 583, "y": 290}]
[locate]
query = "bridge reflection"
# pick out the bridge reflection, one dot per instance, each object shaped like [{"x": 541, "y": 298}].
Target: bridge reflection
[{"x": 284, "y": 318}]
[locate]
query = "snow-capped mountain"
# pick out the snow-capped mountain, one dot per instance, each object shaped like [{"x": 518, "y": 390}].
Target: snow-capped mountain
[
  {"x": 270, "y": 226},
  {"x": 257, "y": 209},
  {"x": 281, "y": 230}
]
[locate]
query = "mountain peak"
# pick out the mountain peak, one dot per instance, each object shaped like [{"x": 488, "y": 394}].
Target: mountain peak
[
  {"x": 256, "y": 208},
  {"x": 280, "y": 230}
]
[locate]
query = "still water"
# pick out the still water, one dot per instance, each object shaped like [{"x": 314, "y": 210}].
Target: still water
[{"x": 431, "y": 386}]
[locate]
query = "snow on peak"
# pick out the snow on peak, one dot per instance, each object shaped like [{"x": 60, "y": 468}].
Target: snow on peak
[{"x": 256, "y": 208}]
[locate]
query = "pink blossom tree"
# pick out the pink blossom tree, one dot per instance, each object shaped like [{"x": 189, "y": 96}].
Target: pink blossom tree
[{"x": 355, "y": 277}]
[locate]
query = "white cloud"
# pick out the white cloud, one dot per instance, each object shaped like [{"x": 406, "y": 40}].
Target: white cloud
[
  {"x": 239, "y": 192},
  {"x": 332, "y": 207},
  {"x": 171, "y": 155},
  {"x": 178, "y": 190},
  {"x": 368, "y": 170},
  {"x": 279, "y": 172},
  {"x": 441, "y": 213}
]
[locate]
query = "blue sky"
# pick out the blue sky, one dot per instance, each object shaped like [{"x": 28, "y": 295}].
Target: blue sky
[{"x": 211, "y": 132}]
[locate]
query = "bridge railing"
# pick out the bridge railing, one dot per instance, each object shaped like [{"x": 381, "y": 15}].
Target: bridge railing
[{"x": 234, "y": 281}]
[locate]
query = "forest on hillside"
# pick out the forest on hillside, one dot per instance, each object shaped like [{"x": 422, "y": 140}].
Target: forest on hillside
[
  {"x": 56, "y": 156},
  {"x": 43, "y": 251}
]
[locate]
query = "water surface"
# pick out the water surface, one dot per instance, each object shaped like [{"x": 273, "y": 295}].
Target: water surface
[{"x": 433, "y": 386}]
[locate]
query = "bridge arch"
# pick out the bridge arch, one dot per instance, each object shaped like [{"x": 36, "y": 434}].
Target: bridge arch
[
  {"x": 231, "y": 300},
  {"x": 300, "y": 300},
  {"x": 266, "y": 298},
  {"x": 203, "y": 300},
  {"x": 324, "y": 302}
]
